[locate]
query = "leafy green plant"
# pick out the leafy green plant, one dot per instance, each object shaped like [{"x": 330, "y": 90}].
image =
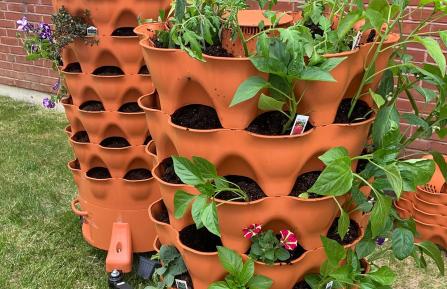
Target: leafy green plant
[
  {"x": 241, "y": 275},
  {"x": 267, "y": 248},
  {"x": 201, "y": 174},
  {"x": 172, "y": 266}
]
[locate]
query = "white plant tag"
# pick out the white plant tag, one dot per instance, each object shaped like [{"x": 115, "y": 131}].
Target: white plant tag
[
  {"x": 356, "y": 41},
  {"x": 329, "y": 285},
  {"x": 181, "y": 284},
  {"x": 300, "y": 124},
  {"x": 92, "y": 31}
]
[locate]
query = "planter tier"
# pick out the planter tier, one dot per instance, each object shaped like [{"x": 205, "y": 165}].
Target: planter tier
[
  {"x": 238, "y": 152},
  {"x": 181, "y": 80},
  {"x": 108, "y": 52},
  {"x": 102, "y": 124},
  {"x": 108, "y": 15},
  {"x": 205, "y": 268},
  {"x": 111, "y": 91}
]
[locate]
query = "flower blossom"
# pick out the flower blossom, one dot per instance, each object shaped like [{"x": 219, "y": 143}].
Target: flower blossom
[
  {"x": 48, "y": 103},
  {"x": 252, "y": 230},
  {"x": 288, "y": 240},
  {"x": 45, "y": 31},
  {"x": 24, "y": 25}
]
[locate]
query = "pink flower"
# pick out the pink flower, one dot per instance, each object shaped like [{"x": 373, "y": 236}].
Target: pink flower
[
  {"x": 252, "y": 230},
  {"x": 288, "y": 240}
]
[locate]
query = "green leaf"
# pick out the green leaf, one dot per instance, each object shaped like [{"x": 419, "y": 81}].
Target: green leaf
[
  {"x": 342, "y": 275},
  {"x": 268, "y": 103},
  {"x": 335, "y": 180},
  {"x": 394, "y": 177},
  {"x": 440, "y": 161},
  {"x": 316, "y": 74},
  {"x": 259, "y": 282},
  {"x": 230, "y": 260},
  {"x": 378, "y": 99},
  {"x": 332, "y": 63},
  {"x": 379, "y": 214},
  {"x": 428, "y": 94},
  {"x": 313, "y": 280},
  {"x": 334, "y": 251},
  {"x": 365, "y": 248},
  {"x": 343, "y": 224},
  {"x": 180, "y": 6},
  {"x": 209, "y": 218},
  {"x": 247, "y": 272},
  {"x": 415, "y": 172},
  {"x": 375, "y": 18},
  {"x": 219, "y": 285},
  {"x": 443, "y": 36},
  {"x": 402, "y": 243},
  {"x": 387, "y": 118},
  {"x": 348, "y": 22},
  {"x": 197, "y": 209},
  {"x": 182, "y": 200},
  {"x": 248, "y": 89},
  {"x": 334, "y": 154},
  {"x": 187, "y": 171},
  {"x": 435, "y": 51},
  {"x": 378, "y": 5},
  {"x": 433, "y": 252},
  {"x": 383, "y": 276},
  {"x": 206, "y": 169}
]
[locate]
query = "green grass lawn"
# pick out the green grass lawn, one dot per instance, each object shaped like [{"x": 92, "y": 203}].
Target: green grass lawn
[{"x": 41, "y": 245}]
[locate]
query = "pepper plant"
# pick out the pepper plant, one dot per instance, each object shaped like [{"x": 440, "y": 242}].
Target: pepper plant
[
  {"x": 202, "y": 174},
  {"x": 240, "y": 275}
]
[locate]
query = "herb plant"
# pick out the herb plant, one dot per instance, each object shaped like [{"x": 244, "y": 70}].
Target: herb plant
[
  {"x": 240, "y": 275},
  {"x": 201, "y": 174},
  {"x": 172, "y": 265}
]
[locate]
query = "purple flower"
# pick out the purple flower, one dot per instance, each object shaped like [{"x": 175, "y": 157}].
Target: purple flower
[
  {"x": 24, "y": 25},
  {"x": 380, "y": 241},
  {"x": 48, "y": 103},
  {"x": 45, "y": 31},
  {"x": 57, "y": 85}
]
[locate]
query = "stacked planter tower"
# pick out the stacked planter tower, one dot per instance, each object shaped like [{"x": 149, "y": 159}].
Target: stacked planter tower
[
  {"x": 108, "y": 131},
  {"x": 273, "y": 162}
]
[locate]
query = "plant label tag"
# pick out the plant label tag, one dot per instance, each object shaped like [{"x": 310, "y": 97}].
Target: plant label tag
[
  {"x": 146, "y": 267},
  {"x": 92, "y": 31},
  {"x": 300, "y": 124},
  {"x": 329, "y": 285},
  {"x": 356, "y": 41},
  {"x": 181, "y": 284}
]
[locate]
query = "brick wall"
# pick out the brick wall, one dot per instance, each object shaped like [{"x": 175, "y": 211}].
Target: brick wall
[{"x": 37, "y": 75}]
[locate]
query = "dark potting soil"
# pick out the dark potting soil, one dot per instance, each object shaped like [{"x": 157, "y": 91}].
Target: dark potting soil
[
  {"x": 302, "y": 285},
  {"x": 143, "y": 70},
  {"x": 304, "y": 182},
  {"x": 108, "y": 71},
  {"x": 99, "y": 173},
  {"x": 371, "y": 36},
  {"x": 249, "y": 186},
  {"x": 163, "y": 215},
  {"x": 157, "y": 43},
  {"x": 315, "y": 29},
  {"x": 201, "y": 240},
  {"x": 217, "y": 50},
  {"x": 76, "y": 165},
  {"x": 138, "y": 174},
  {"x": 73, "y": 68},
  {"x": 295, "y": 254},
  {"x": 271, "y": 123},
  {"x": 168, "y": 173},
  {"x": 124, "y": 31},
  {"x": 92, "y": 105},
  {"x": 185, "y": 277},
  {"x": 361, "y": 112},
  {"x": 130, "y": 107},
  {"x": 197, "y": 116},
  {"x": 114, "y": 142},
  {"x": 361, "y": 164},
  {"x": 352, "y": 234},
  {"x": 147, "y": 140},
  {"x": 81, "y": 136}
]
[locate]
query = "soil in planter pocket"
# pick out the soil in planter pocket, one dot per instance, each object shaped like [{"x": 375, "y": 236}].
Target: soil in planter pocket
[
  {"x": 147, "y": 140},
  {"x": 352, "y": 234},
  {"x": 361, "y": 112},
  {"x": 108, "y": 71},
  {"x": 372, "y": 36},
  {"x": 302, "y": 285},
  {"x": 197, "y": 116},
  {"x": 168, "y": 173},
  {"x": 201, "y": 240},
  {"x": 114, "y": 142},
  {"x": 73, "y": 68},
  {"x": 92, "y": 105},
  {"x": 315, "y": 29},
  {"x": 304, "y": 182},
  {"x": 163, "y": 215},
  {"x": 81, "y": 137},
  {"x": 185, "y": 277},
  {"x": 99, "y": 173},
  {"x": 249, "y": 186},
  {"x": 138, "y": 174},
  {"x": 216, "y": 50},
  {"x": 124, "y": 31},
  {"x": 76, "y": 165},
  {"x": 143, "y": 70},
  {"x": 130, "y": 107},
  {"x": 271, "y": 123}
]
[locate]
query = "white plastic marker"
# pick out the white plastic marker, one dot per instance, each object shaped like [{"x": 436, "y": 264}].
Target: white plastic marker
[
  {"x": 329, "y": 285},
  {"x": 356, "y": 41},
  {"x": 92, "y": 31},
  {"x": 181, "y": 284},
  {"x": 300, "y": 124}
]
